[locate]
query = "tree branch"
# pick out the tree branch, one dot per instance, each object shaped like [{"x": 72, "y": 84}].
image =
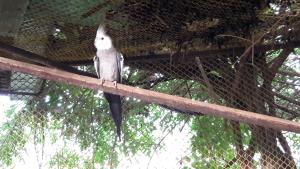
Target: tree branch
[
  {"x": 278, "y": 61},
  {"x": 210, "y": 88},
  {"x": 287, "y": 98},
  {"x": 287, "y": 73},
  {"x": 283, "y": 142},
  {"x": 287, "y": 110}
]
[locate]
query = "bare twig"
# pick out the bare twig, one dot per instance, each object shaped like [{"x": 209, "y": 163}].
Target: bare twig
[
  {"x": 161, "y": 20},
  {"x": 283, "y": 142},
  {"x": 237, "y": 37},
  {"x": 287, "y": 73},
  {"x": 278, "y": 61},
  {"x": 210, "y": 89},
  {"x": 243, "y": 57},
  {"x": 287, "y": 98},
  {"x": 292, "y": 112},
  {"x": 158, "y": 144},
  {"x": 185, "y": 122}
]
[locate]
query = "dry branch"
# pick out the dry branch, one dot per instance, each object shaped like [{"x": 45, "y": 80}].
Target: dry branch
[
  {"x": 287, "y": 73},
  {"x": 210, "y": 88},
  {"x": 283, "y": 142},
  {"x": 294, "y": 101},
  {"x": 150, "y": 96}
]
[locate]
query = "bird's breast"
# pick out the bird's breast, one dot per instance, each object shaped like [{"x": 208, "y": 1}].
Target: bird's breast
[{"x": 108, "y": 69}]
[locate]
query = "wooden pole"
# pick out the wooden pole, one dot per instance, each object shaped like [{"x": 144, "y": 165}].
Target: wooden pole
[
  {"x": 150, "y": 96},
  {"x": 190, "y": 55},
  {"x": 14, "y": 52}
]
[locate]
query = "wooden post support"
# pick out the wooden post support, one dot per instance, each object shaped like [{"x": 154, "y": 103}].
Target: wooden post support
[{"x": 150, "y": 96}]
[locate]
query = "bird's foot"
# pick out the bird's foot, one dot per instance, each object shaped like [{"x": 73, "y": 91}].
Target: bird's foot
[
  {"x": 94, "y": 58},
  {"x": 115, "y": 84},
  {"x": 102, "y": 81}
]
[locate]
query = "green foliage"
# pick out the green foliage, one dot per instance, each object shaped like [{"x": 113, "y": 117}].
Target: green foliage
[
  {"x": 65, "y": 159},
  {"x": 208, "y": 145},
  {"x": 13, "y": 136},
  {"x": 294, "y": 140},
  {"x": 297, "y": 51}
]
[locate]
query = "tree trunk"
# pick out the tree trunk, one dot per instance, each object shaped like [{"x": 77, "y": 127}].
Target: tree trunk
[{"x": 247, "y": 95}]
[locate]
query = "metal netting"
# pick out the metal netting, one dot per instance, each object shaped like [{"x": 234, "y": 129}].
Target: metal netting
[
  {"x": 241, "y": 54},
  {"x": 139, "y": 27}
]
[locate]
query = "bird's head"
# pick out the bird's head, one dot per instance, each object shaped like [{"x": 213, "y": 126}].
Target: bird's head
[{"x": 102, "y": 40}]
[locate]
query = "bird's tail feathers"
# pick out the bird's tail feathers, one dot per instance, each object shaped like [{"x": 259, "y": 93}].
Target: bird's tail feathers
[{"x": 116, "y": 110}]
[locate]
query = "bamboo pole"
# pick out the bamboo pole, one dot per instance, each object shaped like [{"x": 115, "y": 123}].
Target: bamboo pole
[{"x": 150, "y": 96}]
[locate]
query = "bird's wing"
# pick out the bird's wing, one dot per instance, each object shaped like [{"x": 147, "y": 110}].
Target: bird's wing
[
  {"x": 120, "y": 64},
  {"x": 97, "y": 65}
]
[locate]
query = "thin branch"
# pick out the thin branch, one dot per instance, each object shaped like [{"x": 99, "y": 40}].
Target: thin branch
[
  {"x": 188, "y": 89},
  {"x": 283, "y": 142},
  {"x": 287, "y": 73},
  {"x": 161, "y": 20},
  {"x": 210, "y": 89},
  {"x": 278, "y": 61},
  {"x": 243, "y": 57},
  {"x": 178, "y": 110},
  {"x": 237, "y": 37},
  {"x": 185, "y": 122},
  {"x": 292, "y": 112},
  {"x": 293, "y": 83},
  {"x": 158, "y": 144},
  {"x": 287, "y": 98}
]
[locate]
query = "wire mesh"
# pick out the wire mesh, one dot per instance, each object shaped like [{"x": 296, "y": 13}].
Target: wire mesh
[{"x": 70, "y": 127}]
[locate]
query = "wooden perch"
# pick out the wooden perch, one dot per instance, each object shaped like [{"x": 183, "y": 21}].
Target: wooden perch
[{"x": 150, "y": 96}]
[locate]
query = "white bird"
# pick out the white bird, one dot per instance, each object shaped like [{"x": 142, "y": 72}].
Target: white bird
[{"x": 109, "y": 63}]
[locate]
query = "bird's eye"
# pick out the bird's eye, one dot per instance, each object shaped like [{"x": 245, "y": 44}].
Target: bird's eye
[{"x": 102, "y": 38}]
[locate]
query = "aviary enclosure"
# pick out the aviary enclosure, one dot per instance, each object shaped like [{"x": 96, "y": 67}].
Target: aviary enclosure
[{"x": 236, "y": 53}]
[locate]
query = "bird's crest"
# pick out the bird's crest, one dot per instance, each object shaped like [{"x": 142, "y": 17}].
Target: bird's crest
[
  {"x": 102, "y": 40},
  {"x": 101, "y": 30}
]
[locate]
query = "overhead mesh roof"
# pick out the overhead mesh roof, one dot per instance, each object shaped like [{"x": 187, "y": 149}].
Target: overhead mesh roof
[{"x": 64, "y": 30}]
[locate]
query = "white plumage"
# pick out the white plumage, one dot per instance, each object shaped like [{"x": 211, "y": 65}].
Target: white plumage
[{"x": 109, "y": 63}]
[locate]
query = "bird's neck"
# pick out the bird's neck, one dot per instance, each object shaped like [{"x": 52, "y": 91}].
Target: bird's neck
[
  {"x": 111, "y": 49},
  {"x": 106, "y": 53}
]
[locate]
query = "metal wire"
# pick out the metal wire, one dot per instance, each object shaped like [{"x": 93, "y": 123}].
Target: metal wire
[{"x": 261, "y": 81}]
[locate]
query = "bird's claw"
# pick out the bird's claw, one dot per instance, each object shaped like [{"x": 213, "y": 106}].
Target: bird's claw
[
  {"x": 102, "y": 81},
  {"x": 115, "y": 83}
]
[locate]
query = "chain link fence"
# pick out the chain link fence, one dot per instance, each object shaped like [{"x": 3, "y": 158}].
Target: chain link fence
[{"x": 241, "y": 54}]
